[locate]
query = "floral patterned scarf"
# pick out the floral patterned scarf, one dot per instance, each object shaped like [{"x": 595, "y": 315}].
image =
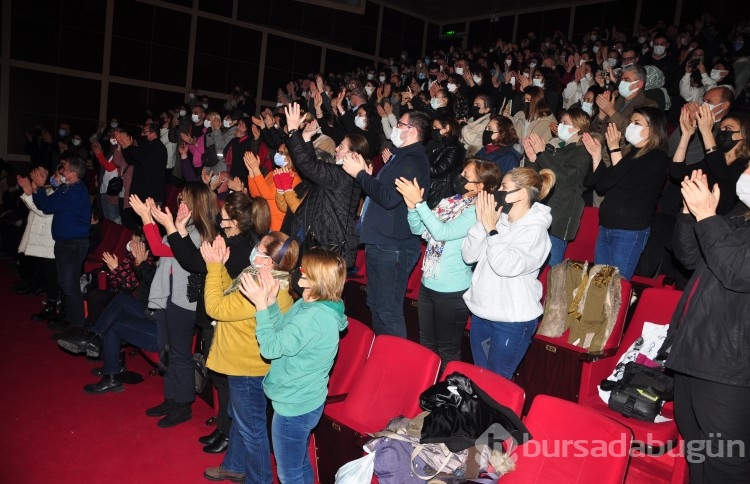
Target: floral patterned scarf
[{"x": 445, "y": 211}]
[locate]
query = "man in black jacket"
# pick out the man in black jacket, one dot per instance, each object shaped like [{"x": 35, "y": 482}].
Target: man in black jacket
[{"x": 148, "y": 160}]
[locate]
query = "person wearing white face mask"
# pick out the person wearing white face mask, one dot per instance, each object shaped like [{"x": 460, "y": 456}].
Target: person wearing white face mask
[
  {"x": 631, "y": 185},
  {"x": 575, "y": 90},
  {"x": 570, "y": 161},
  {"x": 726, "y": 153},
  {"x": 391, "y": 250},
  {"x": 720, "y": 101},
  {"x": 631, "y": 87},
  {"x": 331, "y": 198},
  {"x": 660, "y": 57},
  {"x": 194, "y": 137}
]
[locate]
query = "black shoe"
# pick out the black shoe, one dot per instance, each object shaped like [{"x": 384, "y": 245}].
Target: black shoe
[
  {"x": 109, "y": 383},
  {"x": 211, "y": 438},
  {"x": 74, "y": 341},
  {"x": 127, "y": 377},
  {"x": 179, "y": 414},
  {"x": 93, "y": 348},
  {"x": 217, "y": 447},
  {"x": 49, "y": 312},
  {"x": 55, "y": 325},
  {"x": 162, "y": 409}
]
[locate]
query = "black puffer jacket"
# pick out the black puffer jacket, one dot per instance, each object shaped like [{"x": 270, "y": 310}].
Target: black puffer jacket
[
  {"x": 331, "y": 201},
  {"x": 446, "y": 161},
  {"x": 708, "y": 336}
]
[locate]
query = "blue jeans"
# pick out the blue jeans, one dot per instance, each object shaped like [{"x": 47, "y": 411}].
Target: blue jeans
[
  {"x": 249, "y": 451},
  {"x": 69, "y": 257},
  {"x": 125, "y": 319},
  {"x": 621, "y": 248},
  {"x": 388, "y": 269},
  {"x": 291, "y": 436},
  {"x": 557, "y": 254},
  {"x": 507, "y": 342}
]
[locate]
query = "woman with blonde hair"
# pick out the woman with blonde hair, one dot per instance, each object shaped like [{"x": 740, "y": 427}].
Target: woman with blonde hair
[
  {"x": 509, "y": 244},
  {"x": 301, "y": 345},
  {"x": 234, "y": 352}
]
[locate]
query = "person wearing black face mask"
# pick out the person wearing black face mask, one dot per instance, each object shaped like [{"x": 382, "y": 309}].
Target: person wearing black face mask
[
  {"x": 498, "y": 142},
  {"x": 446, "y": 154},
  {"x": 471, "y": 134},
  {"x": 726, "y": 154},
  {"x": 445, "y": 277}
]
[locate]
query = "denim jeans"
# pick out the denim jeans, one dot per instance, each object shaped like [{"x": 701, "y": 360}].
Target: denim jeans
[
  {"x": 291, "y": 436},
  {"x": 388, "y": 269},
  {"x": 69, "y": 256},
  {"x": 442, "y": 320},
  {"x": 125, "y": 319},
  {"x": 621, "y": 248},
  {"x": 249, "y": 451},
  {"x": 178, "y": 324},
  {"x": 508, "y": 343},
  {"x": 557, "y": 254}
]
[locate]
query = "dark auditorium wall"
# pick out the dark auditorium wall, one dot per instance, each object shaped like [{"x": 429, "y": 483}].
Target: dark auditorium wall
[{"x": 85, "y": 60}]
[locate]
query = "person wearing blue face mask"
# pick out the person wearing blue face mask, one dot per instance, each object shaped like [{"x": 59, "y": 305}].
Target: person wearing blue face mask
[
  {"x": 269, "y": 185},
  {"x": 570, "y": 161},
  {"x": 631, "y": 97}
]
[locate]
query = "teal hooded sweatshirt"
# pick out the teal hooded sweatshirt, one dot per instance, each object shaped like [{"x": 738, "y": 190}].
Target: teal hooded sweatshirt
[{"x": 301, "y": 345}]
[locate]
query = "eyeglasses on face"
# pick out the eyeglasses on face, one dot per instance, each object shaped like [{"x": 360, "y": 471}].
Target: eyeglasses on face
[{"x": 400, "y": 124}]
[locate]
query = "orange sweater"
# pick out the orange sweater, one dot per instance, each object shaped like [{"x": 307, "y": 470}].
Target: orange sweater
[{"x": 266, "y": 188}]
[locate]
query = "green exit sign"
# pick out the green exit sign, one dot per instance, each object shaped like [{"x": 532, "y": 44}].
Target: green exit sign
[{"x": 450, "y": 32}]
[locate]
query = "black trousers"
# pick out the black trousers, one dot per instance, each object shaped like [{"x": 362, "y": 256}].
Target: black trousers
[
  {"x": 715, "y": 422},
  {"x": 223, "y": 422},
  {"x": 442, "y": 320}
]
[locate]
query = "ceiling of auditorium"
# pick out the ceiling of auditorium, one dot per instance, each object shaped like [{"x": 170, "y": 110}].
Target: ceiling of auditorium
[{"x": 447, "y": 11}]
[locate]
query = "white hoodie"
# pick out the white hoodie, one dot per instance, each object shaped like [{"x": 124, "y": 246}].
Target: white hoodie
[{"x": 505, "y": 285}]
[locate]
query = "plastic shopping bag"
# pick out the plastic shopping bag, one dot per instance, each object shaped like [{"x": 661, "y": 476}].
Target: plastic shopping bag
[{"x": 358, "y": 471}]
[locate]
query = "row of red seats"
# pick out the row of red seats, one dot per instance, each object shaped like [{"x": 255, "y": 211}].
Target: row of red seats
[{"x": 383, "y": 376}]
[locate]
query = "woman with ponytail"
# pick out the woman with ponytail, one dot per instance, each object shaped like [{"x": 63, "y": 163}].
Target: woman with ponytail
[{"x": 509, "y": 244}]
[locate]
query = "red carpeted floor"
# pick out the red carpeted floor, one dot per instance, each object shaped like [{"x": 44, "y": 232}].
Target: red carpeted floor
[{"x": 54, "y": 432}]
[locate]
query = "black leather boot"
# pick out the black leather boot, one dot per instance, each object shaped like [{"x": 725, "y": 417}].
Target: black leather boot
[
  {"x": 108, "y": 383},
  {"x": 62, "y": 311},
  {"x": 49, "y": 311}
]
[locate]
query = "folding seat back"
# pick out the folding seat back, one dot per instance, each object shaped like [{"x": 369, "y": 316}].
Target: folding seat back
[
  {"x": 354, "y": 348},
  {"x": 389, "y": 385},
  {"x": 552, "y": 366},
  {"x": 111, "y": 233},
  {"x": 570, "y": 444},
  {"x": 501, "y": 389},
  {"x": 582, "y": 247},
  {"x": 393, "y": 377}
]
